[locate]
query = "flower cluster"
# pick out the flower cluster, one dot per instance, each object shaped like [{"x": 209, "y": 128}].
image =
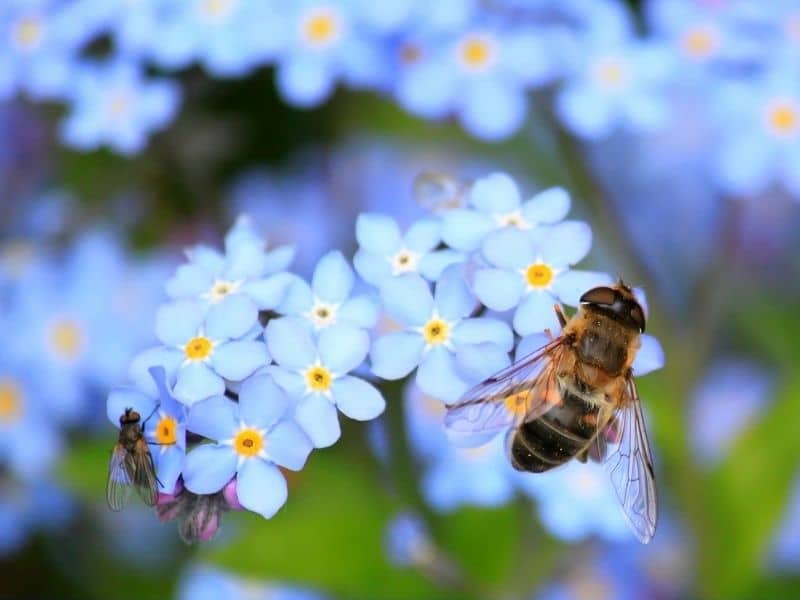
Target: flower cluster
[
  {"x": 729, "y": 64},
  {"x": 255, "y": 362}
]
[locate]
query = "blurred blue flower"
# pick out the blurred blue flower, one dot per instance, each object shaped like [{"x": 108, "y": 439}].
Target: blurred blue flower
[
  {"x": 497, "y": 204},
  {"x": 115, "y": 104},
  {"x": 451, "y": 350},
  {"x": 599, "y": 575},
  {"x": 327, "y": 300},
  {"x": 759, "y": 134},
  {"x": 321, "y": 43},
  {"x": 245, "y": 274},
  {"x": 785, "y": 550},
  {"x": 452, "y": 476},
  {"x": 384, "y": 252},
  {"x": 316, "y": 372},
  {"x": 201, "y": 351},
  {"x": 731, "y": 394},
  {"x": 616, "y": 84},
  {"x": 30, "y": 506},
  {"x": 253, "y": 437},
  {"x": 201, "y": 582},
  {"x": 163, "y": 422},
  {"x": 531, "y": 273},
  {"x": 408, "y": 541}
]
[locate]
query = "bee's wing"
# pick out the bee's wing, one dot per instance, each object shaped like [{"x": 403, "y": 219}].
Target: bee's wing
[
  {"x": 631, "y": 466},
  {"x": 118, "y": 486},
  {"x": 521, "y": 392},
  {"x": 144, "y": 478}
]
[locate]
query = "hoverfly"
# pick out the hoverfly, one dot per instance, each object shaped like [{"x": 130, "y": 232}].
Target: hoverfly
[
  {"x": 575, "y": 397},
  {"x": 131, "y": 465}
]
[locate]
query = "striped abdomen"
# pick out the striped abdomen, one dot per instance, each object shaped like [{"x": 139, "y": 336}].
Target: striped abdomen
[{"x": 555, "y": 437}]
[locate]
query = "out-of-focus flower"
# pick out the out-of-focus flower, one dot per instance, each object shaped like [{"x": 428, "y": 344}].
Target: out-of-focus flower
[
  {"x": 438, "y": 337},
  {"x": 252, "y": 438},
  {"x": 726, "y": 400},
  {"x": 202, "y": 350},
  {"x": 496, "y": 204},
  {"x": 786, "y": 545},
  {"x": 531, "y": 273},
  {"x": 27, "y": 507},
  {"x": 317, "y": 374},
  {"x": 327, "y": 300},
  {"x": 384, "y": 252},
  {"x": 202, "y": 582},
  {"x": 163, "y": 423},
  {"x": 408, "y": 541},
  {"x": 115, "y": 104}
]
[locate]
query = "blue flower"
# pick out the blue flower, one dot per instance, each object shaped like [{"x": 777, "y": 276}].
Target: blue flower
[
  {"x": 385, "y": 253},
  {"x": 731, "y": 394},
  {"x": 759, "y": 134},
  {"x": 202, "y": 351},
  {"x": 785, "y": 549},
  {"x": 601, "y": 574},
  {"x": 253, "y": 438},
  {"x": 496, "y": 204},
  {"x": 327, "y": 300},
  {"x": 323, "y": 42},
  {"x": 451, "y": 350},
  {"x": 408, "y": 541},
  {"x": 317, "y": 374},
  {"x": 114, "y": 104},
  {"x": 246, "y": 274},
  {"x": 163, "y": 422},
  {"x": 202, "y": 582},
  {"x": 531, "y": 273}
]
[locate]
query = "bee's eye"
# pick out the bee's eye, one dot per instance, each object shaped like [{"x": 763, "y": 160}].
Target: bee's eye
[
  {"x": 599, "y": 295},
  {"x": 637, "y": 314}
]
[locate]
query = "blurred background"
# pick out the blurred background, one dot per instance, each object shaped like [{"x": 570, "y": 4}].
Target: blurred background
[{"x": 130, "y": 129}]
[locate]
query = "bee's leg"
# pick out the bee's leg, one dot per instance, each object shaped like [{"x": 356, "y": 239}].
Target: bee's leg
[
  {"x": 150, "y": 415},
  {"x": 582, "y": 456},
  {"x": 562, "y": 318}
]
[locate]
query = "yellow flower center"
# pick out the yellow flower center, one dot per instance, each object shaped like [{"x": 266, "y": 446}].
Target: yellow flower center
[
  {"x": 320, "y": 27},
  {"x": 700, "y": 42},
  {"x": 216, "y": 9},
  {"x": 611, "y": 73},
  {"x": 783, "y": 118},
  {"x": 433, "y": 407},
  {"x": 476, "y": 52},
  {"x": 248, "y": 442},
  {"x": 322, "y": 314},
  {"x": 404, "y": 261},
  {"x": 512, "y": 219},
  {"x": 10, "y": 401},
  {"x": 517, "y": 404},
  {"x": 222, "y": 288},
  {"x": 165, "y": 431},
  {"x": 436, "y": 332},
  {"x": 539, "y": 275},
  {"x": 198, "y": 348},
  {"x": 118, "y": 105},
  {"x": 28, "y": 32},
  {"x": 319, "y": 379},
  {"x": 67, "y": 338}
]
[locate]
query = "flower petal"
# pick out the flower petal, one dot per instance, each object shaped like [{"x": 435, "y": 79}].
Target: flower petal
[
  {"x": 395, "y": 355},
  {"x": 566, "y": 243},
  {"x": 121, "y": 398},
  {"x": 190, "y": 280},
  {"x": 343, "y": 347},
  {"x": 498, "y": 289},
  {"x": 373, "y": 268},
  {"x": 293, "y": 383},
  {"x": 432, "y": 264},
  {"x": 548, "y": 206},
  {"x": 437, "y": 376},
  {"x": 378, "y": 234},
  {"x": 532, "y": 343},
  {"x": 288, "y": 445},
  {"x": 195, "y": 382},
  {"x": 508, "y": 249},
  {"x": 231, "y": 317},
  {"x": 178, "y": 322},
  {"x": 160, "y": 356},
  {"x": 407, "y": 299},
  {"x": 465, "y": 229},
  {"x": 261, "y": 487},
  {"x": 214, "y": 418},
  {"x": 361, "y": 311},
  {"x": 535, "y": 313},
  {"x": 237, "y": 360},
  {"x": 571, "y": 285},
  {"x": 357, "y": 398},
  {"x": 495, "y": 193},
  {"x": 290, "y": 343},
  {"x": 452, "y": 296},
  {"x": 169, "y": 463},
  {"x": 333, "y": 278},
  {"x": 319, "y": 419},
  {"x": 477, "y": 362},
  {"x": 208, "y": 468},
  {"x": 261, "y": 402},
  {"x": 423, "y": 235},
  {"x": 270, "y": 292},
  {"x": 484, "y": 329},
  {"x": 649, "y": 357}
]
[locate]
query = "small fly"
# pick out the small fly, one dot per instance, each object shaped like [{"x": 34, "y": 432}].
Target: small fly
[{"x": 131, "y": 465}]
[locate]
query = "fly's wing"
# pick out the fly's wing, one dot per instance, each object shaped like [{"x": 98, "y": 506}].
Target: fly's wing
[
  {"x": 521, "y": 392},
  {"x": 631, "y": 466},
  {"x": 120, "y": 477},
  {"x": 144, "y": 478}
]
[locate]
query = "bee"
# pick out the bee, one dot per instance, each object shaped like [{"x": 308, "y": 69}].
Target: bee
[
  {"x": 575, "y": 397},
  {"x": 131, "y": 465}
]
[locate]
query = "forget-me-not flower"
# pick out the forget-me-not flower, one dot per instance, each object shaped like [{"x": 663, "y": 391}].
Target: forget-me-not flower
[
  {"x": 253, "y": 438},
  {"x": 439, "y": 337},
  {"x": 316, "y": 372},
  {"x": 202, "y": 582},
  {"x": 495, "y": 203},
  {"x": 531, "y": 274}
]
